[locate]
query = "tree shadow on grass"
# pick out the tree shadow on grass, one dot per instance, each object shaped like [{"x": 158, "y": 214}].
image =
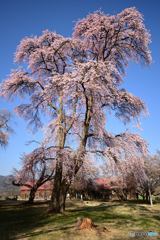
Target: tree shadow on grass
[
  {"x": 101, "y": 214},
  {"x": 19, "y": 221},
  {"x": 136, "y": 215},
  {"x": 43, "y": 232},
  {"x": 157, "y": 217}
]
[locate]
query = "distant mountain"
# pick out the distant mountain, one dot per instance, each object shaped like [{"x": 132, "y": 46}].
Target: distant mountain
[{"x": 6, "y": 186}]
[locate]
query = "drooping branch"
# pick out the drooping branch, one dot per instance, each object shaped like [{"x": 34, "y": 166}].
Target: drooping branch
[{"x": 5, "y": 129}]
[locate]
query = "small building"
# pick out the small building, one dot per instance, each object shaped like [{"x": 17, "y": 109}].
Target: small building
[
  {"x": 43, "y": 192},
  {"x": 105, "y": 187}
]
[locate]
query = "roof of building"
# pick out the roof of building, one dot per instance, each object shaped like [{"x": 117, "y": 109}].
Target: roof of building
[
  {"x": 45, "y": 186},
  {"x": 106, "y": 183}
]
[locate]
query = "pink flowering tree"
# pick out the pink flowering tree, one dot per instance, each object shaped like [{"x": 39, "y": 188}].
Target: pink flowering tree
[
  {"x": 136, "y": 175},
  {"x": 151, "y": 184},
  {"x": 75, "y": 82},
  {"x": 129, "y": 175},
  {"x": 83, "y": 180},
  {"x": 37, "y": 168},
  {"x": 48, "y": 60}
]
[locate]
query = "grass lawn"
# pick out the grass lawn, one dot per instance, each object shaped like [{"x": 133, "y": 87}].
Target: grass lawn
[{"x": 33, "y": 222}]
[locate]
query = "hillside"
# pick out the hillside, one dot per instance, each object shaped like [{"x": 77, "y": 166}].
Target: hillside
[{"x": 6, "y": 187}]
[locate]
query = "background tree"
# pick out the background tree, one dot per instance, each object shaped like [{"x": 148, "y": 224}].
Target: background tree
[
  {"x": 76, "y": 81},
  {"x": 138, "y": 175},
  {"x": 152, "y": 180},
  {"x": 129, "y": 176},
  {"x": 84, "y": 179},
  {"x": 37, "y": 168},
  {"x": 133, "y": 179}
]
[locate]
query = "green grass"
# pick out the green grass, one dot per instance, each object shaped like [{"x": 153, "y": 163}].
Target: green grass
[{"x": 33, "y": 222}]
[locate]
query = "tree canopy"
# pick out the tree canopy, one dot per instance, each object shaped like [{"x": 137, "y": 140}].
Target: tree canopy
[{"x": 74, "y": 82}]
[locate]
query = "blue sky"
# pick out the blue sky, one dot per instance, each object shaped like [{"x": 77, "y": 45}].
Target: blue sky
[{"x": 27, "y": 18}]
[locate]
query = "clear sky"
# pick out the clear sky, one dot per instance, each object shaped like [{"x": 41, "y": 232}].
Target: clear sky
[{"x": 30, "y": 17}]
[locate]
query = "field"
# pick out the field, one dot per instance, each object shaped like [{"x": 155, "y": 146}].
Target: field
[{"x": 114, "y": 220}]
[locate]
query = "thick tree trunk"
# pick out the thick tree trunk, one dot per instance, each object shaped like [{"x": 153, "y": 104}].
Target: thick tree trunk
[
  {"x": 60, "y": 187},
  {"x": 59, "y": 192},
  {"x": 32, "y": 195},
  {"x": 56, "y": 192},
  {"x": 58, "y": 198}
]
